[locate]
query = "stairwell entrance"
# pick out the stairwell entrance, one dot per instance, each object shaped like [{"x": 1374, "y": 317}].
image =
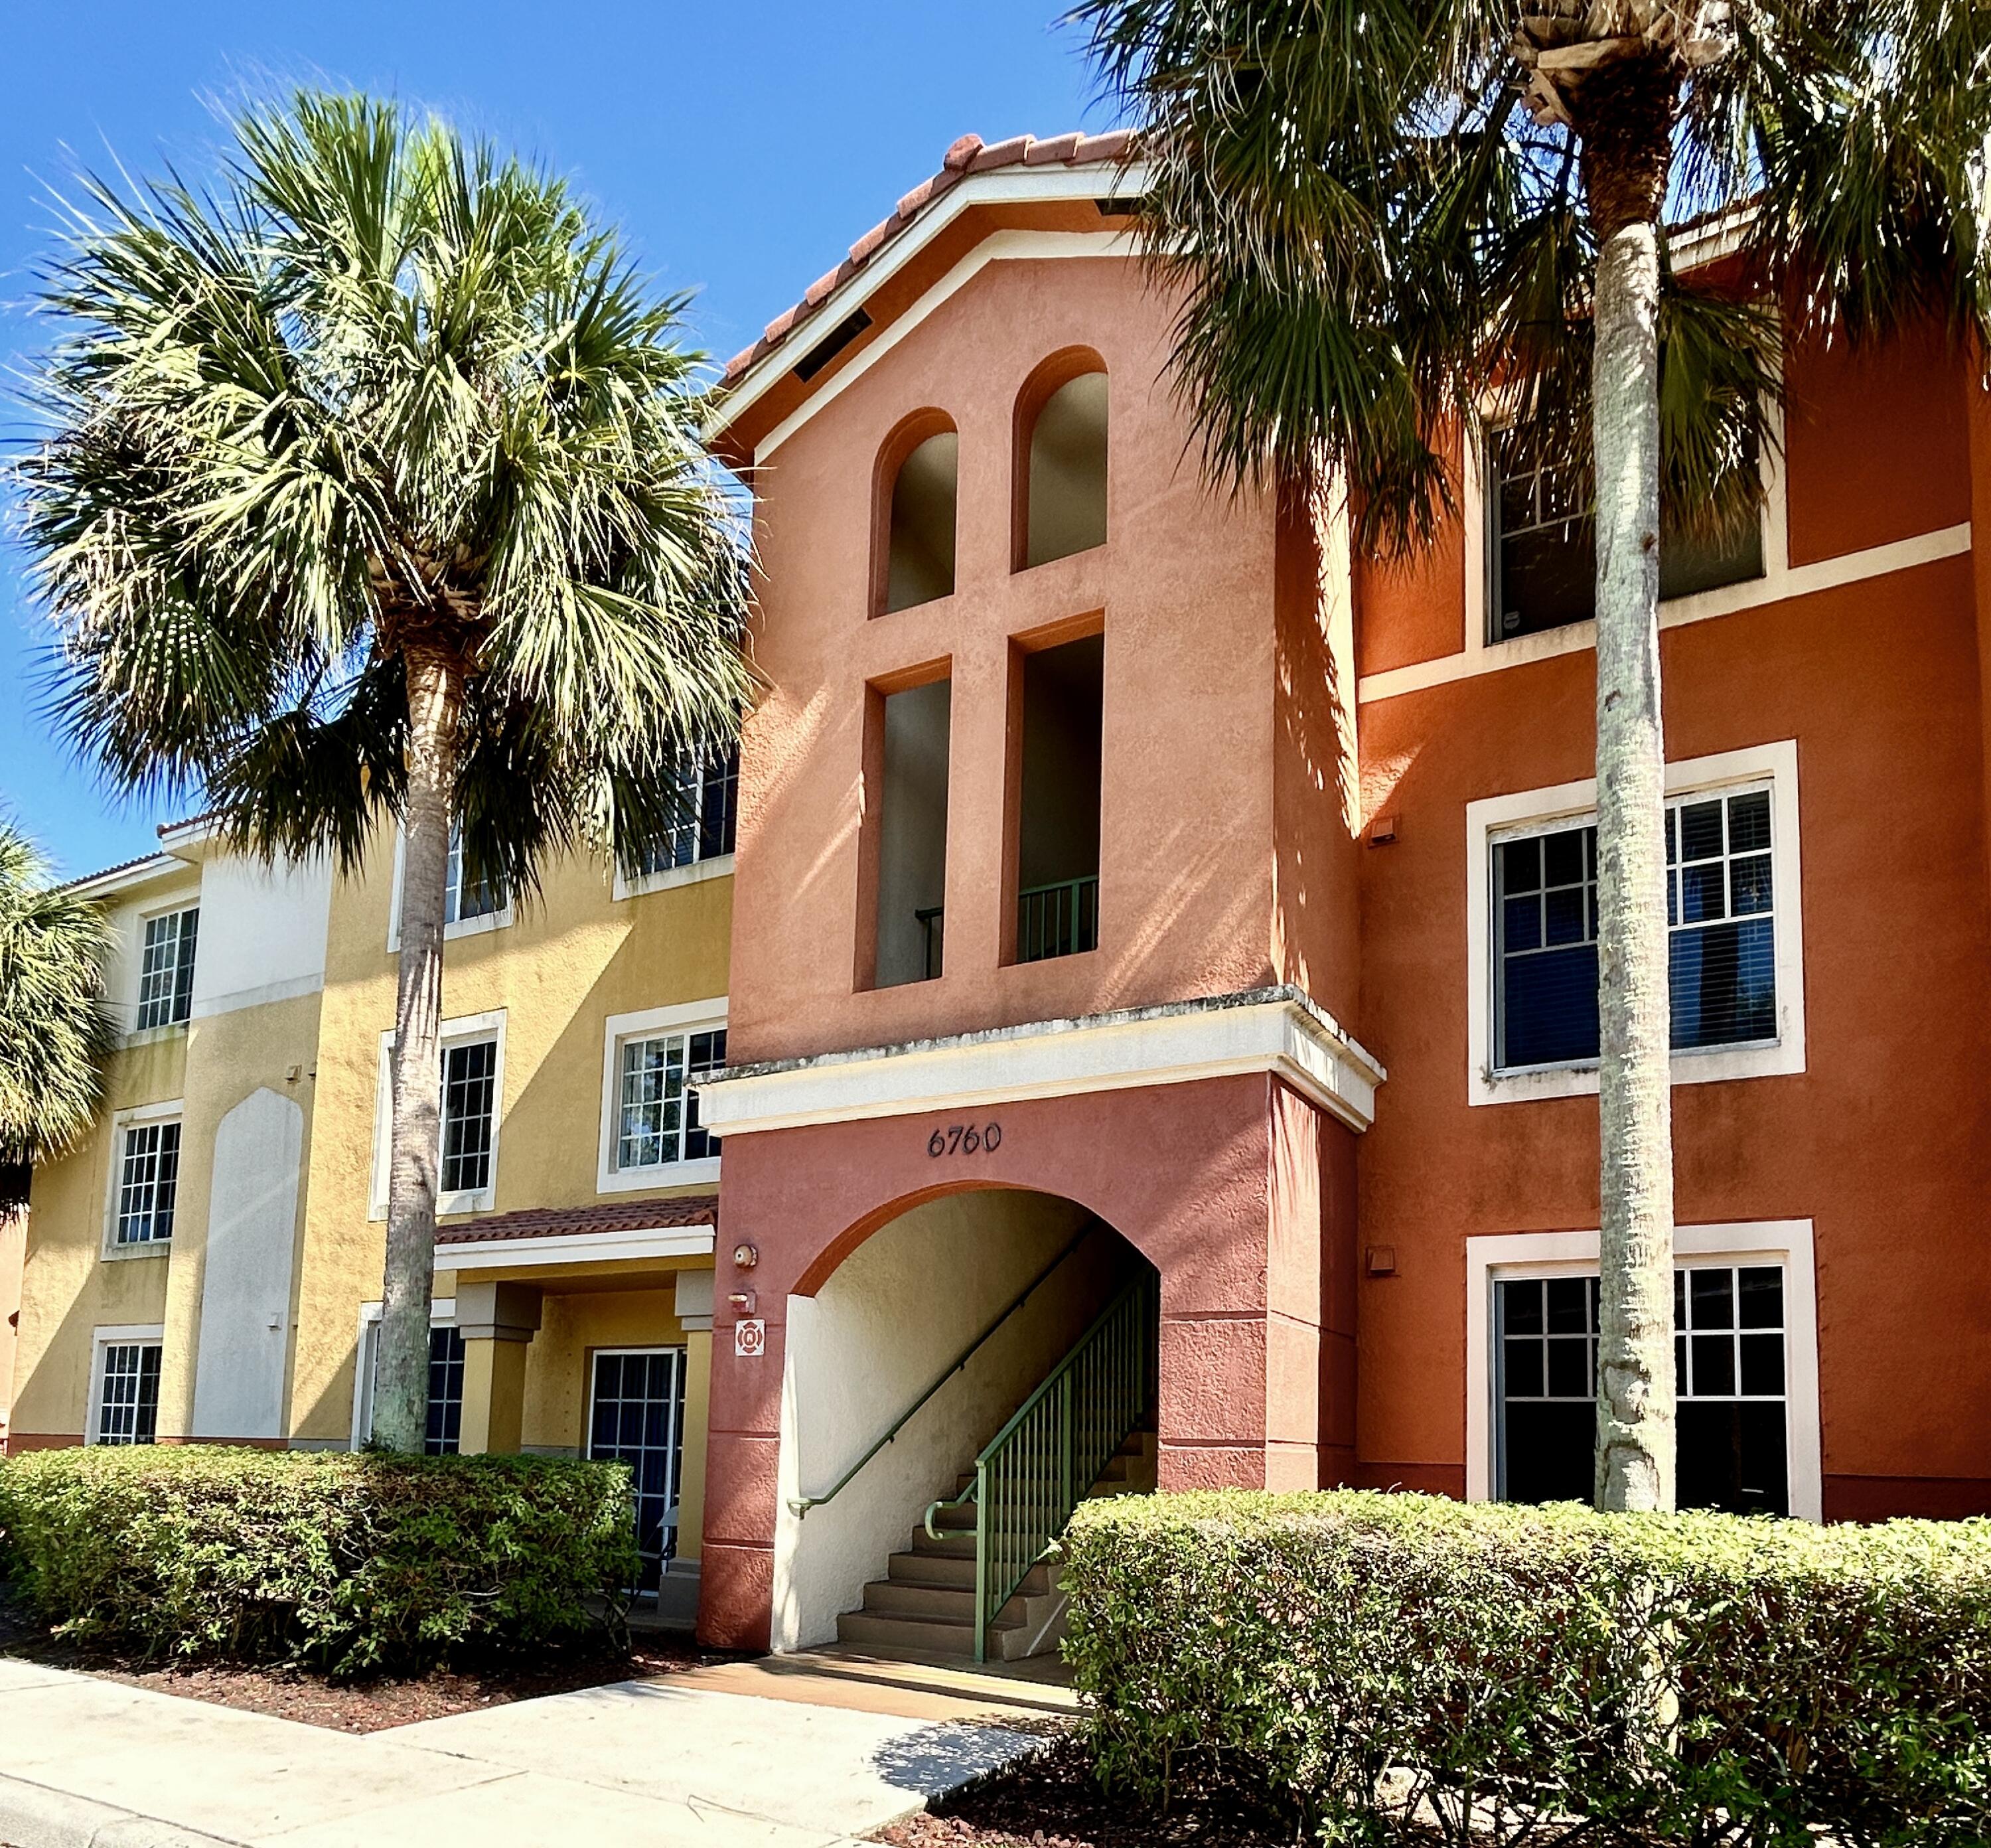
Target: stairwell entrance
[{"x": 975, "y": 1368}]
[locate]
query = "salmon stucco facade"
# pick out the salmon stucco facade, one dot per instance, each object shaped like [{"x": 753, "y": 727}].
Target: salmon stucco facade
[{"x": 1128, "y": 1017}]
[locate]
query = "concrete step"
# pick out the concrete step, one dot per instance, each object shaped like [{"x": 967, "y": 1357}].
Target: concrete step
[
  {"x": 1007, "y": 1642},
  {"x": 952, "y": 1604},
  {"x": 956, "y": 1570},
  {"x": 950, "y": 1545}
]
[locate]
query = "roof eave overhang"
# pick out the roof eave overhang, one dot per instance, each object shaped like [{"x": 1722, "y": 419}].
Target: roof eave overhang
[{"x": 733, "y": 426}]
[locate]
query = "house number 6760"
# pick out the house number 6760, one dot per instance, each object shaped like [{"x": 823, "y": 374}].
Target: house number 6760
[{"x": 964, "y": 1138}]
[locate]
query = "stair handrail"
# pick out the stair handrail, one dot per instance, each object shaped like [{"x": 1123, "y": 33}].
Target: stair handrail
[
  {"x": 1030, "y": 1404},
  {"x": 987, "y": 1602},
  {"x": 799, "y": 1506}
]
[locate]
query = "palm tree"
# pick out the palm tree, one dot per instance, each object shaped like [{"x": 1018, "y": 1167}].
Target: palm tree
[
  {"x": 56, "y": 1032},
  {"x": 1385, "y": 218},
  {"x": 373, "y": 492}
]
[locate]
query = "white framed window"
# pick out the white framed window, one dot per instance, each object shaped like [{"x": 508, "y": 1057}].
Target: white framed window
[
  {"x": 472, "y": 1085},
  {"x": 1736, "y": 964},
  {"x": 635, "y": 1415},
  {"x": 468, "y": 907},
  {"x": 699, "y": 844},
  {"x": 165, "y": 968},
  {"x": 652, "y": 1064},
  {"x": 1541, "y": 546},
  {"x": 124, "y": 1403},
  {"x": 143, "y": 1196},
  {"x": 443, "y": 1434},
  {"x": 1746, "y": 1361}
]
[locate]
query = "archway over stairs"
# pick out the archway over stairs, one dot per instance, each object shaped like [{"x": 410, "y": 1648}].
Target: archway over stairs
[{"x": 939, "y": 1324}]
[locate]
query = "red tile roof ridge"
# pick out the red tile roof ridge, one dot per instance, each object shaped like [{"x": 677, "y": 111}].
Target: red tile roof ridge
[
  {"x": 569, "y": 1222},
  {"x": 969, "y": 154}
]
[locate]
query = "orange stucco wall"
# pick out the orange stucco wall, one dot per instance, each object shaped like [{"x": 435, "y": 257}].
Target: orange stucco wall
[
  {"x": 1185, "y": 583},
  {"x": 1239, "y": 775}
]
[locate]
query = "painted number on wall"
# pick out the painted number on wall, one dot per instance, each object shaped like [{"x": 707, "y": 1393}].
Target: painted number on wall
[{"x": 964, "y": 1138}]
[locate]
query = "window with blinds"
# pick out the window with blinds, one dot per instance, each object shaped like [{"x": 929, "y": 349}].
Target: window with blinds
[
  {"x": 705, "y": 814},
  {"x": 1721, "y": 910},
  {"x": 657, "y": 1120}
]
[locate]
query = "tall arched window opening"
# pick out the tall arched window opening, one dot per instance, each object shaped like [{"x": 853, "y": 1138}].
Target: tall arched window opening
[
  {"x": 1064, "y": 503},
  {"x": 918, "y": 522}
]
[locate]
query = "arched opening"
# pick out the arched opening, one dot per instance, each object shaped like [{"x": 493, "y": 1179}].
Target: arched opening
[
  {"x": 1061, "y": 430},
  {"x": 994, "y": 1342},
  {"x": 913, "y": 537}
]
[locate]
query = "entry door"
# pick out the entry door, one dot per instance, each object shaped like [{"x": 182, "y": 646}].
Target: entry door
[{"x": 636, "y": 1416}]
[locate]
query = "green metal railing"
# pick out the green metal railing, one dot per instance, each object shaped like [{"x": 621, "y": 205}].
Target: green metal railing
[
  {"x": 1035, "y": 1471},
  {"x": 1059, "y": 920},
  {"x": 800, "y": 1505},
  {"x": 929, "y": 921}
]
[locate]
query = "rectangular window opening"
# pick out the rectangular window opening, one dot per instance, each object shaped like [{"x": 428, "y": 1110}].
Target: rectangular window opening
[
  {"x": 464, "y": 899},
  {"x": 705, "y": 814},
  {"x": 443, "y": 1434},
  {"x": 657, "y": 1120},
  {"x": 1058, "y": 800},
  {"x": 469, "y": 1109},
  {"x": 148, "y": 1183},
  {"x": 1543, "y": 531},
  {"x": 1729, "y": 1354},
  {"x": 911, "y": 834},
  {"x": 127, "y": 1404},
  {"x": 165, "y": 974},
  {"x": 1721, "y": 933},
  {"x": 636, "y": 1416}
]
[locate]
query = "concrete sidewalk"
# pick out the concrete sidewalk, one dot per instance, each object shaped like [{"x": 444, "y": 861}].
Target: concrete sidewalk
[{"x": 91, "y": 1764}]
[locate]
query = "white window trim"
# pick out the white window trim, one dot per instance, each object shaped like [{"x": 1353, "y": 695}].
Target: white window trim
[
  {"x": 1491, "y": 1257},
  {"x": 719, "y": 866},
  {"x": 685, "y": 1017},
  {"x": 467, "y": 927},
  {"x": 1484, "y": 656},
  {"x": 172, "y": 1111},
  {"x": 136, "y": 1035},
  {"x": 150, "y": 1334},
  {"x": 442, "y": 1314},
  {"x": 454, "y": 1032},
  {"x": 1488, "y": 820}
]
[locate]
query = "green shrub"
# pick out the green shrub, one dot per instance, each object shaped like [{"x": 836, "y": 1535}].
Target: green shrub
[
  {"x": 345, "y": 1562},
  {"x": 1698, "y": 1678}
]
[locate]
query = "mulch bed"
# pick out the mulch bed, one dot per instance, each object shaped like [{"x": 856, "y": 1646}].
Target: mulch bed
[
  {"x": 1053, "y": 1800},
  {"x": 358, "y": 1706}
]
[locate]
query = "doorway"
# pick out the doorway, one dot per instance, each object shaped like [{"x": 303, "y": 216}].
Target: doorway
[{"x": 635, "y": 1415}]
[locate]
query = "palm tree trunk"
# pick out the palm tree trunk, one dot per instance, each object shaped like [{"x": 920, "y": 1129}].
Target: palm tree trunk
[
  {"x": 1625, "y": 170},
  {"x": 400, "y": 1402}
]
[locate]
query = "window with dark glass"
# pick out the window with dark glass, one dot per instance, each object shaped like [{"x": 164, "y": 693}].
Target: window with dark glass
[
  {"x": 705, "y": 813},
  {"x": 1731, "y": 1435},
  {"x": 1543, "y": 540},
  {"x": 469, "y": 1107},
  {"x": 444, "y": 1433},
  {"x": 147, "y": 1184},
  {"x": 465, "y": 898},
  {"x": 127, "y": 1400},
  {"x": 1720, "y": 929},
  {"x": 636, "y": 1417}
]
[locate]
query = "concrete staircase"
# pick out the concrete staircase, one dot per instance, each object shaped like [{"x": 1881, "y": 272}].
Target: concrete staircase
[{"x": 925, "y": 1603}]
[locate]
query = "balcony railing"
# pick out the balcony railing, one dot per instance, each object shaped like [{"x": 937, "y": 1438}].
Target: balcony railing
[
  {"x": 930, "y": 923},
  {"x": 1059, "y": 920}
]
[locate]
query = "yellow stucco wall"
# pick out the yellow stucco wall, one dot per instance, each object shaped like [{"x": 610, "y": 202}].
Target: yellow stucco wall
[
  {"x": 574, "y": 956},
  {"x": 69, "y": 1289}
]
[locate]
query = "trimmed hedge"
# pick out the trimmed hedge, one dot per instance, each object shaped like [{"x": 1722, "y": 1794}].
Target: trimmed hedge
[
  {"x": 1357, "y": 1659},
  {"x": 345, "y": 1562}
]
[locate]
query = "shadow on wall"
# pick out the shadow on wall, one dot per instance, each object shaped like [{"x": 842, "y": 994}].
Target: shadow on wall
[{"x": 894, "y": 1315}]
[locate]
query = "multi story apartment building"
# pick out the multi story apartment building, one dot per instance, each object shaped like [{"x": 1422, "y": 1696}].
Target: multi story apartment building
[{"x": 1151, "y": 1026}]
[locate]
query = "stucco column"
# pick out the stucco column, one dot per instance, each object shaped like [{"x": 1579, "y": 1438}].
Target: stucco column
[
  {"x": 497, "y": 1322},
  {"x": 691, "y": 1478},
  {"x": 1979, "y": 403}
]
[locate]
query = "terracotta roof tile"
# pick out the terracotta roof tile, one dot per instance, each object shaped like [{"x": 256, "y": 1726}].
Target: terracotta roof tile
[
  {"x": 569, "y": 1222},
  {"x": 967, "y": 155}
]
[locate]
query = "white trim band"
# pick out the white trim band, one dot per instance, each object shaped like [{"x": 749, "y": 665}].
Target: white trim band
[
  {"x": 1271, "y": 1030},
  {"x": 570, "y": 1247}
]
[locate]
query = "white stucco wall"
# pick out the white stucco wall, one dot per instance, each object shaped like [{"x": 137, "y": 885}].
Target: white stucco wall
[
  {"x": 245, "y": 1299},
  {"x": 901, "y": 1308},
  {"x": 262, "y": 932}
]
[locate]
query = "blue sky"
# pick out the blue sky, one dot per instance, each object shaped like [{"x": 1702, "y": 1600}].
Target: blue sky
[{"x": 742, "y": 147}]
